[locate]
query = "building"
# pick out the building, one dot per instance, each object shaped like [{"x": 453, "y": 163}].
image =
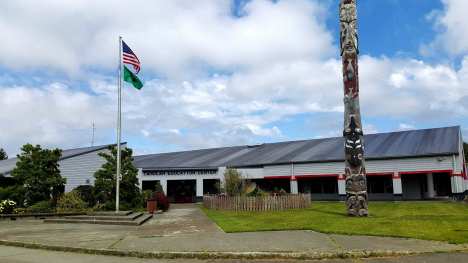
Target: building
[
  {"x": 405, "y": 165},
  {"x": 77, "y": 165}
]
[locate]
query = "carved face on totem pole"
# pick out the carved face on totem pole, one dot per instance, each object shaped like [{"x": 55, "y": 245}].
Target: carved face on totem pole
[
  {"x": 354, "y": 148},
  {"x": 356, "y": 183},
  {"x": 348, "y": 28}
]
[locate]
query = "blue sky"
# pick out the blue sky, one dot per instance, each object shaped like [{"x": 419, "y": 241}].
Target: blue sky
[{"x": 222, "y": 73}]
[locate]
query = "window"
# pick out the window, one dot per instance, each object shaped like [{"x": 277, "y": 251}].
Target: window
[
  {"x": 380, "y": 184},
  {"x": 323, "y": 185}
]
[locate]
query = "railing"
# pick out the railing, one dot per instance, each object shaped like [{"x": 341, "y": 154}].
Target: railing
[{"x": 246, "y": 203}]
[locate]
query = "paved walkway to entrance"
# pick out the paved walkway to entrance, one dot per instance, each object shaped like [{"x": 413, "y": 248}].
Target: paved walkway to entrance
[{"x": 185, "y": 228}]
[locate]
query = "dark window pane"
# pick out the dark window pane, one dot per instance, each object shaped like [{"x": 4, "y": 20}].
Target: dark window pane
[
  {"x": 330, "y": 185},
  {"x": 388, "y": 184},
  {"x": 316, "y": 185},
  {"x": 376, "y": 184}
]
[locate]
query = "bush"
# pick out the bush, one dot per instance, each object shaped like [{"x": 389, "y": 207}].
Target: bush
[
  {"x": 71, "y": 202},
  {"x": 159, "y": 189},
  {"x": 147, "y": 193},
  {"x": 41, "y": 207},
  {"x": 7, "y": 206},
  {"x": 5, "y": 193},
  {"x": 233, "y": 183},
  {"x": 15, "y": 193},
  {"x": 19, "y": 211},
  {"x": 256, "y": 192},
  {"x": 282, "y": 192},
  {"x": 163, "y": 202},
  {"x": 87, "y": 194}
]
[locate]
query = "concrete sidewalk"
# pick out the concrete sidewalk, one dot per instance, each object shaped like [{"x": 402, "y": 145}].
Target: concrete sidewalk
[{"x": 185, "y": 228}]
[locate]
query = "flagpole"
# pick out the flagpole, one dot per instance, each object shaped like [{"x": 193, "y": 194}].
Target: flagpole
[{"x": 118, "y": 130}]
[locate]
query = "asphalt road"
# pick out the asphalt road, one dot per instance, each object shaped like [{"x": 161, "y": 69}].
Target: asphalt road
[{"x": 25, "y": 255}]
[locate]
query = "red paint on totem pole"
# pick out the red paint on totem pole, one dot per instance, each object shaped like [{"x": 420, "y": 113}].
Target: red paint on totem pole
[{"x": 350, "y": 74}]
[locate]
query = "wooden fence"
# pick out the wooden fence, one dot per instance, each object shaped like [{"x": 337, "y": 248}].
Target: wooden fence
[{"x": 241, "y": 203}]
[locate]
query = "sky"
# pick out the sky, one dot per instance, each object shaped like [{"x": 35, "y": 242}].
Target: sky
[{"x": 224, "y": 73}]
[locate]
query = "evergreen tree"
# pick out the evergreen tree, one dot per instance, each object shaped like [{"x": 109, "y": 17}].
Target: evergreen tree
[
  {"x": 3, "y": 154},
  {"x": 159, "y": 189},
  {"x": 37, "y": 172},
  {"x": 105, "y": 185}
]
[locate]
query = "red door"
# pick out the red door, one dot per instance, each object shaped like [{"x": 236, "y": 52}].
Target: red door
[{"x": 183, "y": 194}]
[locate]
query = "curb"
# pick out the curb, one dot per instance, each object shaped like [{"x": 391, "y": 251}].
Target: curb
[{"x": 213, "y": 255}]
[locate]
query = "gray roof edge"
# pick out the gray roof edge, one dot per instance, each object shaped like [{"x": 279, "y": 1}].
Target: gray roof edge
[
  {"x": 78, "y": 154},
  {"x": 97, "y": 148}
]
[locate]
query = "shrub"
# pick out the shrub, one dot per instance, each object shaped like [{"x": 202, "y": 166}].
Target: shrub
[
  {"x": 7, "y": 206},
  {"x": 256, "y": 192},
  {"x": 15, "y": 193},
  {"x": 163, "y": 202},
  {"x": 159, "y": 189},
  {"x": 5, "y": 193},
  {"x": 87, "y": 194},
  {"x": 41, "y": 207},
  {"x": 282, "y": 192},
  {"x": 147, "y": 193},
  {"x": 233, "y": 183},
  {"x": 19, "y": 211},
  {"x": 71, "y": 202}
]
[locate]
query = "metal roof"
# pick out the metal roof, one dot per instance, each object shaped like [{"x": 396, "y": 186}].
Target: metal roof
[
  {"x": 437, "y": 141},
  {"x": 6, "y": 166}
]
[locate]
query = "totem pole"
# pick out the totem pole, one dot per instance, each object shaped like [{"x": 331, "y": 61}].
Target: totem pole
[{"x": 356, "y": 185}]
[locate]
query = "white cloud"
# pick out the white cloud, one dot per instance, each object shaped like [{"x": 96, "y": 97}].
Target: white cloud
[
  {"x": 223, "y": 80},
  {"x": 406, "y": 126},
  {"x": 170, "y": 37},
  {"x": 453, "y": 29}
]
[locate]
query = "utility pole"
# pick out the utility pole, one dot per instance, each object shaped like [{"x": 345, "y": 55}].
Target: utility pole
[
  {"x": 356, "y": 183},
  {"x": 92, "y": 142}
]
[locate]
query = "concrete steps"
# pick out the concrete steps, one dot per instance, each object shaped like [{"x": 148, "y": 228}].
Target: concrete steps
[
  {"x": 123, "y": 218},
  {"x": 130, "y": 217}
]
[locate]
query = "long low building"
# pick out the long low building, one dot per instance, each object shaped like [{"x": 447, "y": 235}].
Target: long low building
[
  {"x": 405, "y": 165},
  {"x": 77, "y": 165}
]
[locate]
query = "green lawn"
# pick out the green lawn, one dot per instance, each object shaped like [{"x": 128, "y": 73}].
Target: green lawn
[{"x": 423, "y": 220}]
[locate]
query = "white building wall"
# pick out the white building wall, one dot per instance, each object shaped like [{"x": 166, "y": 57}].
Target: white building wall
[
  {"x": 277, "y": 170},
  {"x": 251, "y": 173},
  {"x": 81, "y": 168}
]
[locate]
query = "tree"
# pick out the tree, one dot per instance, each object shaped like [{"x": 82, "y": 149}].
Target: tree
[
  {"x": 3, "y": 154},
  {"x": 37, "y": 172},
  {"x": 105, "y": 185},
  {"x": 159, "y": 189},
  {"x": 233, "y": 183}
]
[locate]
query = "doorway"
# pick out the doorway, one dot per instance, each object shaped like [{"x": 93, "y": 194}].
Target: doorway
[{"x": 181, "y": 191}]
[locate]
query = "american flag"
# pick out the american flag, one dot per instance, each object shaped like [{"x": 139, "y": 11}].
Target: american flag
[{"x": 130, "y": 58}]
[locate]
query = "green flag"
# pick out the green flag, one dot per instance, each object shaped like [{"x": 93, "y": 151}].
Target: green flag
[{"x": 131, "y": 78}]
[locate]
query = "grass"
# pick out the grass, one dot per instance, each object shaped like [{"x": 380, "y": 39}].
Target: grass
[{"x": 423, "y": 220}]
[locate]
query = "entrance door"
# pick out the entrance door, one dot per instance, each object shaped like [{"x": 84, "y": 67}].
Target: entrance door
[{"x": 183, "y": 194}]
